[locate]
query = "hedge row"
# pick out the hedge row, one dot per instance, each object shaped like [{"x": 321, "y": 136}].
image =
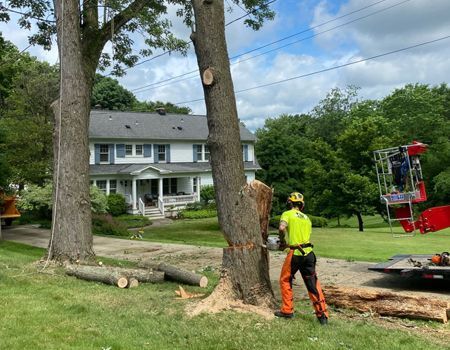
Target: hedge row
[{"x": 197, "y": 214}]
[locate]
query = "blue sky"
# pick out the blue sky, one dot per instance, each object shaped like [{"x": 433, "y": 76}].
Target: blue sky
[{"x": 399, "y": 24}]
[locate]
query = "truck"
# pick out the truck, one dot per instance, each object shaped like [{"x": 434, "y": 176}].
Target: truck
[
  {"x": 401, "y": 187},
  {"x": 8, "y": 210}
]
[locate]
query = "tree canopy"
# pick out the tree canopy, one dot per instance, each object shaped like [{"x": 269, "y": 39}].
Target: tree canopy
[{"x": 327, "y": 154}]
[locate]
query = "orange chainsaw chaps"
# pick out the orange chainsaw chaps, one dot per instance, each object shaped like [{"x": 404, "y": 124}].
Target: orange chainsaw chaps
[{"x": 287, "y": 296}]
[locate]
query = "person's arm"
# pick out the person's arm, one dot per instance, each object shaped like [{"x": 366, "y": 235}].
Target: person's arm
[{"x": 282, "y": 234}]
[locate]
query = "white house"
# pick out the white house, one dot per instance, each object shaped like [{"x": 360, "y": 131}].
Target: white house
[{"x": 157, "y": 161}]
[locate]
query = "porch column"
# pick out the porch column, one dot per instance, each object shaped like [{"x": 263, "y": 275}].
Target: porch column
[
  {"x": 160, "y": 183},
  {"x": 198, "y": 188},
  {"x": 134, "y": 193}
]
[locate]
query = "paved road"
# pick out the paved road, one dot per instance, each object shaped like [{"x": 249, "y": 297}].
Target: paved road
[{"x": 108, "y": 246}]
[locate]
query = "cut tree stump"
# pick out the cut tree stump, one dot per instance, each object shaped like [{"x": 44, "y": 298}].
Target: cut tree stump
[
  {"x": 98, "y": 274},
  {"x": 173, "y": 273},
  {"x": 133, "y": 283},
  {"x": 387, "y": 304}
]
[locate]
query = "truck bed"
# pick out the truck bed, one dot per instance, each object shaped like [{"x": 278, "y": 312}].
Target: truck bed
[{"x": 413, "y": 265}]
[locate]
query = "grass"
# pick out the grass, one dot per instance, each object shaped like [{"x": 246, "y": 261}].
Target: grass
[
  {"x": 374, "y": 244},
  {"x": 203, "y": 232},
  {"x": 53, "y": 311},
  {"x": 133, "y": 221}
]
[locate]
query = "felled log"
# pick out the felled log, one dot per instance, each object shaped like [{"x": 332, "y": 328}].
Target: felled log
[
  {"x": 142, "y": 275},
  {"x": 98, "y": 274},
  {"x": 173, "y": 273},
  {"x": 387, "y": 304}
]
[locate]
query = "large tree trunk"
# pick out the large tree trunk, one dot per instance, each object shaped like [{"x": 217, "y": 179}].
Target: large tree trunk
[
  {"x": 71, "y": 234},
  {"x": 245, "y": 274}
]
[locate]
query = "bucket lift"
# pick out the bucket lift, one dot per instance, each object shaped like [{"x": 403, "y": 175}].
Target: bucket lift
[{"x": 401, "y": 185}]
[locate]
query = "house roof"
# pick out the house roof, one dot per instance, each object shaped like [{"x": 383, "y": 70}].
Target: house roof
[
  {"x": 162, "y": 168},
  {"x": 152, "y": 126}
]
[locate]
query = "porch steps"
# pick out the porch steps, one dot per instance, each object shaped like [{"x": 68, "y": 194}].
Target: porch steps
[{"x": 153, "y": 214}]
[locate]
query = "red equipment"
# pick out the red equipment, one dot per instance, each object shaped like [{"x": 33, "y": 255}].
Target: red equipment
[{"x": 401, "y": 185}]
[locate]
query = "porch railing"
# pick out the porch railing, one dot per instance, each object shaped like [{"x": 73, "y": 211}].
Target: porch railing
[
  {"x": 182, "y": 199},
  {"x": 141, "y": 206}
]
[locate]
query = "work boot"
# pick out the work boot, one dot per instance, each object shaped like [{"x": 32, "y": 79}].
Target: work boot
[
  {"x": 283, "y": 314},
  {"x": 323, "y": 320}
]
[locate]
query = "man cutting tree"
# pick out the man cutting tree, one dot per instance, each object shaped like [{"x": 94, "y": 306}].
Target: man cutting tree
[{"x": 300, "y": 258}]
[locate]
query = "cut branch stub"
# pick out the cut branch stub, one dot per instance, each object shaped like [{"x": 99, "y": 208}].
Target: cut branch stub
[{"x": 208, "y": 77}]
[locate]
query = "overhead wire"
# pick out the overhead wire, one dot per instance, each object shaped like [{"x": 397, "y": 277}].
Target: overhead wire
[
  {"x": 152, "y": 86},
  {"x": 329, "y": 69}
]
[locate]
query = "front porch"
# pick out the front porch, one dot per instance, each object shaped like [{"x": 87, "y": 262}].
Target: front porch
[{"x": 162, "y": 197}]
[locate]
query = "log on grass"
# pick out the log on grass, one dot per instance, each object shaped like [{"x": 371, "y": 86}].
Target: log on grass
[
  {"x": 98, "y": 274},
  {"x": 387, "y": 304},
  {"x": 173, "y": 273},
  {"x": 142, "y": 275}
]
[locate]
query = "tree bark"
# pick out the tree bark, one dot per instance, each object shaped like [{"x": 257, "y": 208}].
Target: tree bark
[
  {"x": 173, "y": 273},
  {"x": 71, "y": 236},
  {"x": 142, "y": 275},
  {"x": 97, "y": 274},
  {"x": 245, "y": 263},
  {"x": 360, "y": 221},
  {"x": 387, "y": 304}
]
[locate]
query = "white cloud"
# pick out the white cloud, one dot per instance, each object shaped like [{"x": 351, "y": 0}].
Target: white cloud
[{"x": 410, "y": 23}]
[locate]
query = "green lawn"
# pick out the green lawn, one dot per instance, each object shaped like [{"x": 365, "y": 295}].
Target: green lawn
[
  {"x": 53, "y": 311},
  {"x": 374, "y": 244},
  {"x": 203, "y": 232}
]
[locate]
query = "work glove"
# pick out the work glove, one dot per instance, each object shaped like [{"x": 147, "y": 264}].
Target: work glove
[{"x": 282, "y": 245}]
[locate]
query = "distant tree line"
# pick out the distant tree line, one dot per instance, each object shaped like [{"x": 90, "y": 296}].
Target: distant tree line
[{"x": 327, "y": 153}]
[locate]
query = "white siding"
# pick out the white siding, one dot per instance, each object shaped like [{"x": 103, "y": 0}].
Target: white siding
[{"x": 181, "y": 152}]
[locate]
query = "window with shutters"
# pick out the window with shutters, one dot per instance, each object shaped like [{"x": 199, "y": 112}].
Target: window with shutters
[
  {"x": 199, "y": 152},
  {"x": 162, "y": 153},
  {"x": 128, "y": 150},
  {"x": 194, "y": 185},
  {"x": 139, "y": 150},
  {"x": 104, "y": 153}
]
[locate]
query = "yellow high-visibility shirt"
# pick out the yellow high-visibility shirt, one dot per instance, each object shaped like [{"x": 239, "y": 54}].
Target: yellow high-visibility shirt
[{"x": 298, "y": 229}]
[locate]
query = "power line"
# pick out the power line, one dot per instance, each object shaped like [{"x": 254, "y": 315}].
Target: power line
[
  {"x": 3, "y": 8},
  {"x": 152, "y": 85},
  {"x": 329, "y": 69},
  {"x": 190, "y": 42}
]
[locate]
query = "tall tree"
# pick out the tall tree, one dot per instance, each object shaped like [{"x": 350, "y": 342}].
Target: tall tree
[
  {"x": 28, "y": 120},
  {"x": 245, "y": 274},
  {"x": 81, "y": 38},
  {"x": 107, "y": 93}
]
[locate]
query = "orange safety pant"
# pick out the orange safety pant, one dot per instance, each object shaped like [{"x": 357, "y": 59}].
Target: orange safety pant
[{"x": 307, "y": 267}]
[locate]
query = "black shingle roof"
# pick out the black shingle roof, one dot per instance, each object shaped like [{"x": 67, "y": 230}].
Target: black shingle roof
[{"x": 152, "y": 126}]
